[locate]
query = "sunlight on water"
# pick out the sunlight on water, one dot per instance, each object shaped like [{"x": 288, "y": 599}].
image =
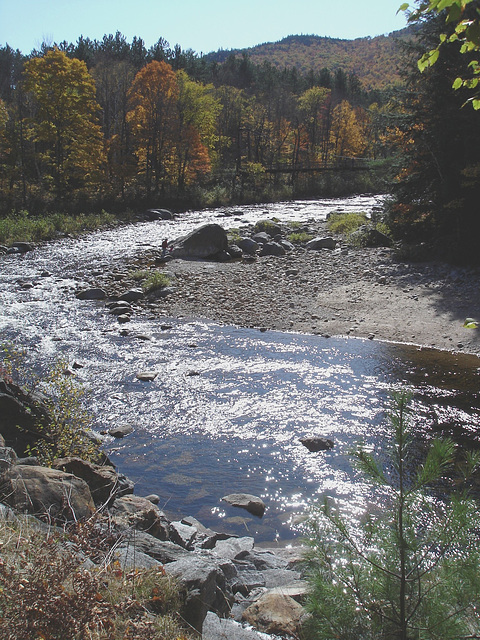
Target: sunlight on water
[{"x": 226, "y": 415}]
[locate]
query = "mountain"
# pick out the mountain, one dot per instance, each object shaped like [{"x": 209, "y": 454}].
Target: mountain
[{"x": 375, "y": 61}]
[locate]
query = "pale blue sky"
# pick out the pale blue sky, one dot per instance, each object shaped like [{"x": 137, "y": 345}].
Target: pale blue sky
[{"x": 201, "y": 25}]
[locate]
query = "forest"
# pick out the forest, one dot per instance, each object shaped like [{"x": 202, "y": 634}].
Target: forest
[{"x": 111, "y": 125}]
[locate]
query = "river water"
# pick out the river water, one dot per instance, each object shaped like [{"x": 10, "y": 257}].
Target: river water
[{"x": 228, "y": 406}]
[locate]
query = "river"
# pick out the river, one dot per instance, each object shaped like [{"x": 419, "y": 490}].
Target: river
[{"x": 229, "y": 405}]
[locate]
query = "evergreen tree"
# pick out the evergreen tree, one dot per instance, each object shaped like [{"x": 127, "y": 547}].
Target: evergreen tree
[{"x": 409, "y": 569}]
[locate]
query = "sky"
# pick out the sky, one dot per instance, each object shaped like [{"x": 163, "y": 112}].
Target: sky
[{"x": 201, "y": 25}]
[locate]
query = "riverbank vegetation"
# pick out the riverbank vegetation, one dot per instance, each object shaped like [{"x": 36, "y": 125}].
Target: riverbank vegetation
[{"x": 410, "y": 568}]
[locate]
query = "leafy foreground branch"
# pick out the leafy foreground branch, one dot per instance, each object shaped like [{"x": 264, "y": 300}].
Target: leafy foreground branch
[{"x": 410, "y": 570}]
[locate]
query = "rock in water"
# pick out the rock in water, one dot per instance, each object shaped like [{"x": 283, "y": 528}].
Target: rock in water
[
  {"x": 252, "y": 504},
  {"x": 317, "y": 443}
]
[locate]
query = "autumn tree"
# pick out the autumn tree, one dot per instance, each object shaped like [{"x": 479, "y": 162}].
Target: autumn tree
[
  {"x": 314, "y": 106},
  {"x": 197, "y": 112},
  {"x": 347, "y": 135},
  {"x": 152, "y": 100},
  {"x": 64, "y": 123}
]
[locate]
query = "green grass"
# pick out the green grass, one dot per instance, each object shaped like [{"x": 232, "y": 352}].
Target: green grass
[
  {"x": 155, "y": 280},
  {"x": 27, "y": 228},
  {"x": 346, "y": 223},
  {"x": 299, "y": 237}
]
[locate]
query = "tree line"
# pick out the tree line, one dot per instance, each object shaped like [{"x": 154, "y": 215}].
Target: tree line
[{"x": 108, "y": 122}]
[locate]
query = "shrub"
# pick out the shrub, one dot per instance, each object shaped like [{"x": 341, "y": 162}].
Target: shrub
[
  {"x": 155, "y": 280},
  {"x": 408, "y": 570},
  {"x": 47, "y": 593},
  {"x": 67, "y": 432}
]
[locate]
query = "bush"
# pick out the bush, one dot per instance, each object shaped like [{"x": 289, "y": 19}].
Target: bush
[
  {"x": 155, "y": 280},
  {"x": 67, "y": 431},
  {"x": 47, "y": 593},
  {"x": 408, "y": 570}
]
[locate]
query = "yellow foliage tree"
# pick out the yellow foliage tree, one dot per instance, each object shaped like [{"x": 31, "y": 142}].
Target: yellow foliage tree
[
  {"x": 347, "y": 133},
  {"x": 63, "y": 123}
]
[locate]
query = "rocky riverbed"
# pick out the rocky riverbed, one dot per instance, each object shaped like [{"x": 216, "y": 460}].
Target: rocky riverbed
[{"x": 361, "y": 292}]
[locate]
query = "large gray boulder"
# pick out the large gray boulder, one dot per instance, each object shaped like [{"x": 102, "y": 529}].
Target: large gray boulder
[
  {"x": 322, "y": 243},
  {"x": 205, "y": 584},
  {"x": 275, "y": 613},
  {"x": 247, "y": 245},
  {"x": 23, "y": 417},
  {"x": 204, "y": 242},
  {"x": 272, "y": 249},
  {"x": 46, "y": 493},
  {"x": 252, "y": 504},
  {"x": 139, "y": 513},
  {"x": 102, "y": 480}
]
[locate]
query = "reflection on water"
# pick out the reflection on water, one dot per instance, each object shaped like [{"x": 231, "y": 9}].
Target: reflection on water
[{"x": 228, "y": 406}]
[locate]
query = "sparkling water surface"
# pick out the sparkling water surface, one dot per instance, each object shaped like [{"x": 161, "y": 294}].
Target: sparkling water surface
[{"x": 229, "y": 405}]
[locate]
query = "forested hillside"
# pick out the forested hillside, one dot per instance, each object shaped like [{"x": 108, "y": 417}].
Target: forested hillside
[{"x": 375, "y": 61}]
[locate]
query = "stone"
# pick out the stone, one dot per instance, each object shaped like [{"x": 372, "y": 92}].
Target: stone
[
  {"x": 94, "y": 293},
  {"x": 247, "y": 245},
  {"x": 272, "y": 249},
  {"x": 261, "y": 237},
  {"x": 252, "y": 504},
  {"x": 8, "y": 458},
  {"x": 185, "y": 534},
  {"x": 139, "y": 513},
  {"x": 322, "y": 243},
  {"x": 120, "y": 309},
  {"x": 23, "y": 247},
  {"x": 235, "y": 252},
  {"x": 275, "y": 614},
  {"x": 153, "y": 498},
  {"x": 101, "y": 480},
  {"x": 317, "y": 443},
  {"x": 158, "y": 214},
  {"x": 121, "y": 431},
  {"x": 234, "y": 548},
  {"x": 268, "y": 226},
  {"x": 162, "y": 550},
  {"x": 23, "y": 417},
  {"x": 147, "y": 376},
  {"x": 46, "y": 493},
  {"x": 203, "y": 242},
  {"x": 132, "y": 295},
  {"x": 132, "y": 558},
  {"x": 206, "y": 587},
  {"x": 215, "y": 628}
]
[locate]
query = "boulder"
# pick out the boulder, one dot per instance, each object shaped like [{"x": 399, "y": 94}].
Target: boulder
[
  {"x": 215, "y": 628},
  {"x": 247, "y": 245},
  {"x": 121, "y": 431},
  {"x": 158, "y": 214},
  {"x": 93, "y": 293},
  {"x": 261, "y": 237},
  {"x": 139, "y": 513},
  {"x": 234, "y": 251},
  {"x": 47, "y": 493},
  {"x": 317, "y": 443},
  {"x": 163, "y": 551},
  {"x": 367, "y": 236},
  {"x": 205, "y": 584},
  {"x": 272, "y": 249},
  {"x": 234, "y": 548},
  {"x": 268, "y": 226},
  {"x": 275, "y": 614},
  {"x": 23, "y": 416},
  {"x": 322, "y": 243},
  {"x": 102, "y": 481},
  {"x": 23, "y": 247},
  {"x": 132, "y": 295},
  {"x": 252, "y": 504},
  {"x": 8, "y": 458},
  {"x": 204, "y": 242}
]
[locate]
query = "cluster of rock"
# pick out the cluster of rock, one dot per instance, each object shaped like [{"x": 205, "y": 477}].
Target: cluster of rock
[{"x": 227, "y": 582}]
